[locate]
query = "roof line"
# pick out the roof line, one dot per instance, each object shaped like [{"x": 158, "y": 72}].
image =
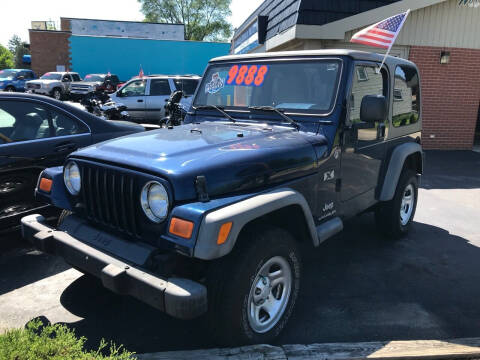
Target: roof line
[
  {"x": 125, "y": 21},
  {"x": 336, "y": 30}
]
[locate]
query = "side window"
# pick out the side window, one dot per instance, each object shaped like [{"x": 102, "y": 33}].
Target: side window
[
  {"x": 159, "y": 87},
  {"x": 28, "y": 75},
  {"x": 188, "y": 86},
  {"x": 64, "y": 125},
  {"x": 135, "y": 88},
  {"x": 66, "y": 78},
  {"x": 76, "y": 77},
  {"x": 366, "y": 81},
  {"x": 406, "y": 95},
  {"x": 22, "y": 121},
  {"x": 114, "y": 79}
]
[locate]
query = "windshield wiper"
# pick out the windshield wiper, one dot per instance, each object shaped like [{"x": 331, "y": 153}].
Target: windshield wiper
[
  {"x": 279, "y": 112},
  {"x": 218, "y": 108}
]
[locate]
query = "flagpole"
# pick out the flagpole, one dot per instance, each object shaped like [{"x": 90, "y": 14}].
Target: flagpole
[{"x": 393, "y": 41}]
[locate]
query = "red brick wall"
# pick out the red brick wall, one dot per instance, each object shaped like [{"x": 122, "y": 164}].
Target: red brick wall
[
  {"x": 451, "y": 96},
  {"x": 65, "y": 24},
  {"x": 49, "y": 49}
]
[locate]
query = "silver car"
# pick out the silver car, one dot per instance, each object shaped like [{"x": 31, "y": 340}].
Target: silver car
[
  {"x": 145, "y": 97},
  {"x": 54, "y": 84}
]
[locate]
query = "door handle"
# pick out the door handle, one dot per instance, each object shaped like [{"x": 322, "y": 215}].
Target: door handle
[
  {"x": 139, "y": 100},
  {"x": 65, "y": 147}
]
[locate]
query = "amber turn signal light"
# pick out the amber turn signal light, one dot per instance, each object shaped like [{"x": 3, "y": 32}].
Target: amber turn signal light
[
  {"x": 45, "y": 185},
  {"x": 181, "y": 228},
  {"x": 224, "y": 232}
]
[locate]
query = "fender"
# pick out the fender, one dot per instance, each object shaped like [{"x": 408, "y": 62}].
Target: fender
[
  {"x": 58, "y": 197},
  {"x": 241, "y": 213},
  {"x": 395, "y": 167}
]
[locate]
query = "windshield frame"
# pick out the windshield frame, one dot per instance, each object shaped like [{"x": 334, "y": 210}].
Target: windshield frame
[
  {"x": 52, "y": 73},
  {"x": 13, "y": 74},
  {"x": 244, "y": 109},
  {"x": 101, "y": 77}
]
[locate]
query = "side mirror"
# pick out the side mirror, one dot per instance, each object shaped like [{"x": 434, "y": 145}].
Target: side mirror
[
  {"x": 373, "y": 109},
  {"x": 21, "y": 77}
]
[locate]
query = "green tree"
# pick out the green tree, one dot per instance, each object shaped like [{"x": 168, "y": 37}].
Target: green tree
[
  {"x": 203, "y": 19},
  {"x": 6, "y": 58},
  {"x": 18, "y": 48}
]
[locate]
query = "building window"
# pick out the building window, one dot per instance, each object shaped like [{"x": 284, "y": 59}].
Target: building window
[
  {"x": 362, "y": 74},
  {"x": 397, "y": 95},
  {"x": 406, "y": 107}
]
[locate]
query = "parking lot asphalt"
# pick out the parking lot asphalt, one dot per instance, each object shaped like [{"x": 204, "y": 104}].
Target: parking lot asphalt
[{"x": 357, "y": 286}]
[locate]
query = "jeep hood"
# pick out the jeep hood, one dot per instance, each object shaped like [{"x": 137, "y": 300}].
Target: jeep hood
[{"x": 232, "y": 157}]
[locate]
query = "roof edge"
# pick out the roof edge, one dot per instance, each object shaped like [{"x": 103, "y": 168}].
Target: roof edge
[{"x": 336, "y": 30}]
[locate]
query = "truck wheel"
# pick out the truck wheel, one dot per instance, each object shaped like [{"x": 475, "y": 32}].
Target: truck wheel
[
  {"x": 10, "y": 89},
  {"x": 57, "y": 94},
  {"x": 394, "y": 217},
  {"x": 252, "y": 291}
]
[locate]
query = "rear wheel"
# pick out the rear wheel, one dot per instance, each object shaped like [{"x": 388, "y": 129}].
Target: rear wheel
[
  {"x": 10, "y": 89},
  {"x": 252, "y": 291},
  {"x": 394, "y": 217}
]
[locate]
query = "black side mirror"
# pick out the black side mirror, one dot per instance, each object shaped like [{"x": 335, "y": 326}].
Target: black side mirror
[{"x": 373, "y": 109}]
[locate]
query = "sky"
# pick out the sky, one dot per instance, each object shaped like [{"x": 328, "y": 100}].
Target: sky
[{"x": 17, "y": 15}]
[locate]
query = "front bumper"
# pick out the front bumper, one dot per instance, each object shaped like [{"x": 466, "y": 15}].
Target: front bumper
[
  {"x": 178, "y": 297},
  {"x": 41, "y": 91}
]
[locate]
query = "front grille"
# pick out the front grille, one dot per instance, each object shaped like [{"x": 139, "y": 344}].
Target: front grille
[
  {"x": 110, "y": 198},
  {"x": 80, "y": 87},
  {"x": 33, "y": 86}
]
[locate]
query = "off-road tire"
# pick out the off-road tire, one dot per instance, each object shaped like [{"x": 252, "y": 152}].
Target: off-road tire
[
  {"x": 229, "y": 281},
  {"x": 387, "y": 214}
]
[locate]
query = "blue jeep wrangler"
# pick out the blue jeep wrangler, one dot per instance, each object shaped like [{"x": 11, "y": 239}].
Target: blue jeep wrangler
[
  {"x": 13, "y": 80},
  {"x": 278, "y": 149}
]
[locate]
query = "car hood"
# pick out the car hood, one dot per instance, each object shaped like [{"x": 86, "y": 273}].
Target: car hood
[
  {"x": 90, "y": 83},
  {"x": 5, "y": 79},
  {"x": 232, "y": 157},
  {"x": 42, "y": 81}
]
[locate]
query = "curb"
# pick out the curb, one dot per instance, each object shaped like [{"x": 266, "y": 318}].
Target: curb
[{"x": 467, "y": 348}]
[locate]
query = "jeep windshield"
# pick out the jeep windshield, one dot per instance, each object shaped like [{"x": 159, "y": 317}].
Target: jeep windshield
[
  {"x": 51, "y": 76},
  {"x": 295, "y": 86},
  {"x": 8, "y": 74}
]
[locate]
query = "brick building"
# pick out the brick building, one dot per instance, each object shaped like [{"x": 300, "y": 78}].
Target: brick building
[
  {"x": 93, "y": 46},
  {"x": 440, "y": 36}
]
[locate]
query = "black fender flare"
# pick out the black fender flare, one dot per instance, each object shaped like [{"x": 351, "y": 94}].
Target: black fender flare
[
  {"x": 395, "y": 166},
  {"x": 243, "y": 212}
]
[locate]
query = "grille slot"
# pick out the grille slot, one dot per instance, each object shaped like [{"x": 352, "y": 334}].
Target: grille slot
[{"x": 109, "y": 199}]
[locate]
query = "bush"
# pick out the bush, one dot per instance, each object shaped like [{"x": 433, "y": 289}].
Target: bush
[{"x": 54, "y": 342}]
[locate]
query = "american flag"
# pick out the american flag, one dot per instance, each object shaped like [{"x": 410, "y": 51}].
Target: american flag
[{"x": 382, "y": 34}]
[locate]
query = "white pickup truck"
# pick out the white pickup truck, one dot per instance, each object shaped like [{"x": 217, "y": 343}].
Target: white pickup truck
[
  {"x": 54, "y": 84},
  {"x": 145, "y": 97}
]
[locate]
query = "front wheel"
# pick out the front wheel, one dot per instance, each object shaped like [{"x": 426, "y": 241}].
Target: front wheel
[
  {"x": 252, "y": 292},
  {"x": 395, "y": 217},
  {"x": 57, "y": 94},
  {"x": 10, "y": 89}
]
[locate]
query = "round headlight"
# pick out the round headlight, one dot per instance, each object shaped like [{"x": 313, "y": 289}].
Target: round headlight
[
  {"x": 154, "y": 201},
  {"x": 71, "y": 177}
]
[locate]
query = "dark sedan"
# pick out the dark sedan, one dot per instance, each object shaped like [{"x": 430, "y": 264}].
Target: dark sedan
[{"x": 35, "y": 133}]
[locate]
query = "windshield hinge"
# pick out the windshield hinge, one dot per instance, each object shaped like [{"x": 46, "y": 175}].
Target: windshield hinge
[{"x": 201, "y": 188}]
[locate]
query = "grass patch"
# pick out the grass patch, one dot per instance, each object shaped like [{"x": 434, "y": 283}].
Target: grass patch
[{"x": 54, "y": 342}]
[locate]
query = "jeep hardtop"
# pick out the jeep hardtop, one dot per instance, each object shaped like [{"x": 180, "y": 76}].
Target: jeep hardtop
[{"x": 277, "y": 150}]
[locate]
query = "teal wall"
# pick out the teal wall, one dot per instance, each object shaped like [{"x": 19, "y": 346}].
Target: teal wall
[{"x": 123, "y": 56}]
